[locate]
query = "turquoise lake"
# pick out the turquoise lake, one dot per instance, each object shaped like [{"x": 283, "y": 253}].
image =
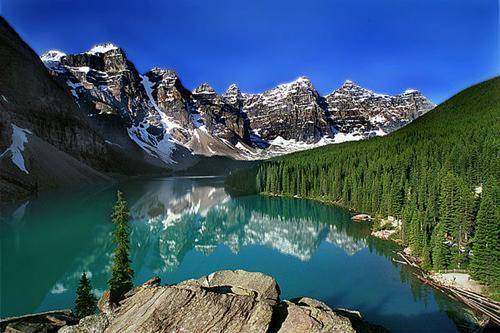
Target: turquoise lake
[{"x": 185, "y": 228}]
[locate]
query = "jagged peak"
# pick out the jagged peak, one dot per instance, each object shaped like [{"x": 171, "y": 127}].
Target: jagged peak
[
  {"x": 302, "y": 79},
  {"x": 102, "y": 48},
  {"x": 349, "y": 87},
  {"x": 300, "y": 82},
  {"x": 411, "y": 91},
  {"x": 233, "y": 89},
  {"x": 348, "y": 84},
  {"x": 204, "y": 88},
  {"x": 52, "y": 55},
  {"x": 233, "y": 86},
  {"x": 233, "y": 94},
  {"x": 166, "y": 73}
]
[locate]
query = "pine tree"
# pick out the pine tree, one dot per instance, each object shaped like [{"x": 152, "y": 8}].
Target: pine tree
[
  {"x": 426, "y": 257},
  {"x": 121, "y": 272},
  {"x": 444, "y": 232},
  {"x": 439, "y": 249},
  {"x": 485, "y": 265},
  {"x": 85, "y": 303},
  {"x": 416, "y": 234}
]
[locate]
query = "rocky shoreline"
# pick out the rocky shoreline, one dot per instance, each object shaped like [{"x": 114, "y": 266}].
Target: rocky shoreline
[{"x": 224, "y": 301}]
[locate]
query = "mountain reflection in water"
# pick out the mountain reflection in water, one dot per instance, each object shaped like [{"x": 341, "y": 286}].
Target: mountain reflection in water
[{"x": 204, "y": 217}]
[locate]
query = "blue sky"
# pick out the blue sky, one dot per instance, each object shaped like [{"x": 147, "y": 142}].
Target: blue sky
[{"x": 438, "y": 47}]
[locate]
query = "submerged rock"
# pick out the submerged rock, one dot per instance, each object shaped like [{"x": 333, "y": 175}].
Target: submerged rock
[
  {"x": 224, "y": 301},
  {"x": 50, "y": 321}
]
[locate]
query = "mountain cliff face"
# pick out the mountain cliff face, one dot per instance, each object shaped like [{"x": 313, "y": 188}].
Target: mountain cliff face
[
  {"x": 170, "y": 122},
  {"x": 293, "y": 111},
  {"x": 44, "y": 138}
]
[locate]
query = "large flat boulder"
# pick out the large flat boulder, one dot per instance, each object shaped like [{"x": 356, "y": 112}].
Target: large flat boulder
[{"x": 260, "y": 286}]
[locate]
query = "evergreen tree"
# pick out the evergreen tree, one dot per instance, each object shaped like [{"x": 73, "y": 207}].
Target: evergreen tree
[
  {"x": 445, "y": 232},
  {"x": 426, "y": 257},
  {"x": 85, "y": 303},
  {"x": 485, "y": 262},
  {"x": 121, "y": 272},
  {"x": 415, "y": 241},
  {"x": 441, "y": 252}
]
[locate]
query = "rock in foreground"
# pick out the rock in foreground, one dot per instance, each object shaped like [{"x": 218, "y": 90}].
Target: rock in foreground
[{"x": 224, "y": 301}]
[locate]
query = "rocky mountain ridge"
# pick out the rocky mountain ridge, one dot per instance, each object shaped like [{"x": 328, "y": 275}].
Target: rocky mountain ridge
[
  {"x": 88, "y": 117},
  {"x": 168, "y": 121}
]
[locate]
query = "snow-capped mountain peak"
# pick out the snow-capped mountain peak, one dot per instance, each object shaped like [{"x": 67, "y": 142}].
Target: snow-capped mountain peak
[
  {"x": 52, "y": 55},
  {"x": 204, "y": 89},
  {"x": 300, "y": 82},
  {"x": 233, "y": 95},
  {"x": 233, "y": 88},
  {"x": 102, "y": 48},
  {"x": 167, "y": 73},
  {"x": 411, "y": 91}
]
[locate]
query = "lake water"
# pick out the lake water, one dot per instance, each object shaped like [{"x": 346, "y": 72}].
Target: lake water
[{"x": 185, "y": 228}]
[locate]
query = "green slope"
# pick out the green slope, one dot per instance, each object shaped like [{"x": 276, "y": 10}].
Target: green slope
[{"x": 424, "y": 174}]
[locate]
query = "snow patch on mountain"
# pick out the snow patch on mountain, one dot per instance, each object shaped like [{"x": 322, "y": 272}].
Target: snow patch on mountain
[
  {"x": 377, "y": 119},
  {"x": 148, "y": 86},
  {"x": 52, "y": 55},
  {"x": 165, "y": 120},
  {"x": 410, "y": 91},
  {"x": 83, "y": 69},
  {"x": 19, "y": 139},
  {"x": 161, "y": 149},
  {"x": 102, "y": 48},
  {"x": 280, "y": 146}
]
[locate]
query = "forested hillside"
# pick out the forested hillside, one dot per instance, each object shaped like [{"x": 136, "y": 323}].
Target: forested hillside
[{"x": 439, "y": 175}]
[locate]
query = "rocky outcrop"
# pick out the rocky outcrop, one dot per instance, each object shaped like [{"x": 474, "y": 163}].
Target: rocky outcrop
[{"x": 225, "y": 301}]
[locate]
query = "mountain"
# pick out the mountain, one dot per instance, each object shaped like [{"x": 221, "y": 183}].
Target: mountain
[
  {"x": 171, "y": 123},
  {"x": 438, "y": 176},
  {"x": 45, "y": 139},
  {"x": 68, "y": 119}
]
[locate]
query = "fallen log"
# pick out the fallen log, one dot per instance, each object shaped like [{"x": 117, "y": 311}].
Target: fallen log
[
  {"x": 399, "y": 261},
  {"x": 478, "y": 303},
  {"x": 408, "y": 261}
]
